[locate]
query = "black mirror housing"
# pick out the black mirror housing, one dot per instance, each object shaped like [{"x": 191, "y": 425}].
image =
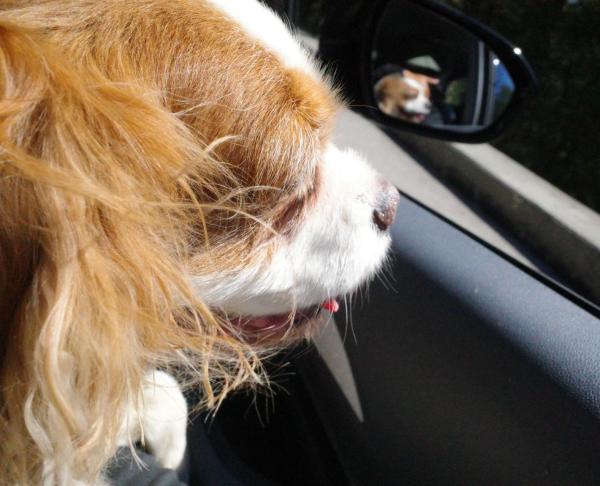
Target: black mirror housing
[{"x": 380, "y": 82}]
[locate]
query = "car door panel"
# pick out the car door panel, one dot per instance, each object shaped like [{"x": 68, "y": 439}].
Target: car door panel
[{"x": 469, "y": 370}]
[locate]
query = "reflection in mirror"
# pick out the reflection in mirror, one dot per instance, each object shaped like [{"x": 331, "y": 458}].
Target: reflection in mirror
[{"x": 430, "y": 71}]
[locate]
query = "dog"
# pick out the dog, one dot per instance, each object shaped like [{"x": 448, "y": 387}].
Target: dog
[
  {"x": 170, "y": 199},
  {"x": 405, "y": 95}
]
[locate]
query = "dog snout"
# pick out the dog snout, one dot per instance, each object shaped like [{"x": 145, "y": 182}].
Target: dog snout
[{"x": 387, "y": 203}]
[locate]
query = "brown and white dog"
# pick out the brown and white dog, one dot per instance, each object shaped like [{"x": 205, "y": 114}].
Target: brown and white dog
[
  {"x": 405, "y": 95},
  {"x": 170, "y": 199}
]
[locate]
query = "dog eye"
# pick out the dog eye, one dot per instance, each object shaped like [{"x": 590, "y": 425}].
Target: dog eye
[
  {"x": 289, "y": 215},
  {"x": 294, "y": 207}
]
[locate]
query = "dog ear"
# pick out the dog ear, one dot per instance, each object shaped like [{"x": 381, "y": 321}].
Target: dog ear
[
  {"x": 96, "y": 205},
  {"x": 56, "y": 278}
]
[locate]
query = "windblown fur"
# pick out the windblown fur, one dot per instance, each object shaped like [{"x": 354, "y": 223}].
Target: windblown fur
[
  {"x": 103, "y": 201},
  {"x": 147, "y": 148}
]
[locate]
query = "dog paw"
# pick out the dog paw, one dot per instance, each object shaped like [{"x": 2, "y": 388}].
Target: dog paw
[
  {"x": 164, "y": 419},
  {"x": 161, "y": 424}
]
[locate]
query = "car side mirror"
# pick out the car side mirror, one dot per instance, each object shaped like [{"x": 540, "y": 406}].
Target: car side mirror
[{"x": 428, "y": 68}]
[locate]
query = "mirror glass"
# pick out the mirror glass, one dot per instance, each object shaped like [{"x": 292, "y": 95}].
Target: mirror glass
[{"x": 429, "y": 71}]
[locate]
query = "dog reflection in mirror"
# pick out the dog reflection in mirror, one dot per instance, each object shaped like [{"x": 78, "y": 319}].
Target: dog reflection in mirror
[
  {"x": 405, "y": 95},
  {"x": 170, "y": 199}
]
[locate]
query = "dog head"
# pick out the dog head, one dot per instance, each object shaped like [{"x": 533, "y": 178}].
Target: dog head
[
  {"x": 169, "y": 195},
  {"x": 405, "y": 95}
]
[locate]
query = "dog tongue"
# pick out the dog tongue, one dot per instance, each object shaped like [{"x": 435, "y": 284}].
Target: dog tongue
[{"x": 331, "y": 305}]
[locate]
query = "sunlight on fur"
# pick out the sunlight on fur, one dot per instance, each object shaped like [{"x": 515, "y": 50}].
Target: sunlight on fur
[
  {"x": 169, "y": 200},
  {"x": 96, "y": 215}
]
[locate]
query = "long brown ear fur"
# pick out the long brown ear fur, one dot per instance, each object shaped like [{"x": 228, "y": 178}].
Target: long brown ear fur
[{"x": 95, "y": 214}]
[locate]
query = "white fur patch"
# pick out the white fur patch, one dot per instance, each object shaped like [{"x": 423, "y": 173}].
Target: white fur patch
[
  {"x": 161, "y": 424},
  {"x": 264, "y": 25},
  {"x": 421, "y": 104}
]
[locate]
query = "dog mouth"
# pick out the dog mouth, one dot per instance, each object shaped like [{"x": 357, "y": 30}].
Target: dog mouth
[{"x": 282, "y": 322}]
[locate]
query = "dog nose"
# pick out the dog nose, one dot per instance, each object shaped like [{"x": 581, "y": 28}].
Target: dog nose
[{"x": 387, "y": 203}]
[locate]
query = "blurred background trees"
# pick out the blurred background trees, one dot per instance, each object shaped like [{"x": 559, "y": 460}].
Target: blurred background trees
[{"x": 558, "y": 134}]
